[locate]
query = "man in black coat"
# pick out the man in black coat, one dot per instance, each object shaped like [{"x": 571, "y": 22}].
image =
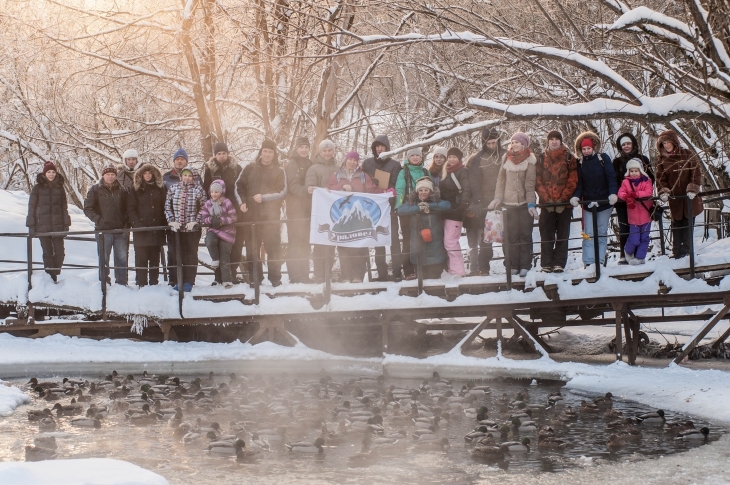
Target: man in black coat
[
  {"x": 483, "y": 171},
  {"x": 298, "y": 212},
  {"x": 106, "y": 206},
  {"x": 48, "y": 212},
  {"x": 260, "y": 191},
  {"x": 224, "y": 166},
  {"x": 390, "y": 166},
  {"x": 146, "y": 208}
]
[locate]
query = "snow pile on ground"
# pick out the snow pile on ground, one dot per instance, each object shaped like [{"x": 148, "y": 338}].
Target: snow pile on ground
[
  {"x": 10, "y": 398},
  {"x": 92, "y": 471}
]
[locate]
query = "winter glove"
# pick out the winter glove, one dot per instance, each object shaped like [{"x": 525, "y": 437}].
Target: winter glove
[
  {"x": 493, "y": 205},
  {"x": 391, "y": 191},
  {"x": 592, "y": 205},
  {"x": 424, "y": 207},
  {"x": 574, "y": 201},
  {"x": 175, "y": 226},
  {"x": 612, "y": 199},
  {"x": 190, "y": 226},
  {"x": 691, "y": 195},
  {"x": 533, "y": 212},
  {"x": 664, "y": 197},
  {"x": 560, "y": 209},
  {"x": 631, "y": 203},
  {"x": 215, "y": 222},
  {"x": 376, "y": 182}
]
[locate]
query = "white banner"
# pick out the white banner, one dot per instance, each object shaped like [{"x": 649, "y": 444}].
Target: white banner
[{"x": 350, "y": 219}]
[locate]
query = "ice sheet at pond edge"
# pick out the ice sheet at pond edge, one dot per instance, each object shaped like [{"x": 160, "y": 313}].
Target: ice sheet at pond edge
[
  {"x": 94, "y": 471},
  {"x": 10, "y": 398}
]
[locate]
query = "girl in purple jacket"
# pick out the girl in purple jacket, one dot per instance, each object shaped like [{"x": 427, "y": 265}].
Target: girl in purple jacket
[
  {"x": 220, "y": 214},
  {"x": 637, "y": 185}
]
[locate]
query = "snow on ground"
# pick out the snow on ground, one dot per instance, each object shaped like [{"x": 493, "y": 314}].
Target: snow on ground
[
  {"x": 10, "y": 398},
  {"x": 92, "y": 471}
]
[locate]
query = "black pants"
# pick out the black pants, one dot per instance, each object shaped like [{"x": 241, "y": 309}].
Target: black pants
[
  {"x": 480, "y": 252},
  {"x": 622, "y": 216},
  {"x": 53, "y": 255},
  {"x": 395, "y": 254},
  {"x": 518, "y": 225},
  {"x": 189, "y": 255},
  {"x": 353, "y": 263},
  {"x": 681, "y": 234},
  {"x": 432, "y": 271},
  {"x": 268, "y": 234},
  {"x": 298, "y": 251},
  {"x": 554, "y": 234},
  {"x": 147, "y": 261},
  {"x": 171, "y": 259},
  {"x": 322, "y": 254},
  {"x": 405, "y": 229}
]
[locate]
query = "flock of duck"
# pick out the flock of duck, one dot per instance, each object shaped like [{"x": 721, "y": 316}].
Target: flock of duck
[{"x": 242, "y": 417}]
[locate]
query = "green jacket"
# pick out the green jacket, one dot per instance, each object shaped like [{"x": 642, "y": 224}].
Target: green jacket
[{"x": 416, "y": 172}]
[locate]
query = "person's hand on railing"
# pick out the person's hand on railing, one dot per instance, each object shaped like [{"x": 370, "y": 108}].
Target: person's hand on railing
[
  {"x": 175, "y": 226},
  {"x": 244, "y": 208},
  {"x": 630, "y": 202},
  {"x": 424, "y": 207},
  {"x": 258, "y": 199},
  {"x": 592, "y": 205},
  {"x": 612, "y": 199},
  {"x": 664, "y": 197},
  {"x": 493, "y": 205},
  {"x": 215, "y": 222},
  {"x": 574, "y": 201},
  {"x": 190, "y": 225},
  {"x": 691, "y": 195},
  {"x": 533, "y": 212}
]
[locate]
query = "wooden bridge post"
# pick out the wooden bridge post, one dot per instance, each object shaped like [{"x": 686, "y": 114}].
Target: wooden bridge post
[
  {"x": 704, "y": 330},
  {"x": 29, "y": 257},
  {"x": 618, "y": 309}
]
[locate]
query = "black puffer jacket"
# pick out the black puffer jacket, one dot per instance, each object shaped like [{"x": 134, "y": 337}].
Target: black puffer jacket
[
  {"x": 459, "y": 199},
  {"x": 47, "y": 206},
  {"x": 146, "y": 207},
  {"x": 267, "y": 180},
  {"x": 107, "y": 206},
  {"x": 227, "y": 172},
  {"x": 298, "y": 200},
  {"x": 619, "y": 163}
]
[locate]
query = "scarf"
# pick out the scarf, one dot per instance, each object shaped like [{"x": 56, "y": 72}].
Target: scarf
[
  {"x": 455, "y": 167},
  {"x": 638, "y": 180},
  {"x": 518, "y": 158}
]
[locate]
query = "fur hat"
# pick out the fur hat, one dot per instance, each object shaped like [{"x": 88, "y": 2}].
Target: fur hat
[
  {"x": 180, "y": 153},
  {"x": 670, "y": 136},
  {"x": 268, "y": 143},
  {"x": 455, "y": 151},
  {"x": 302, "y": 140},
  {"x": 424, "y": 182},
  {"x": 594, "y": 141},
  {"x": 414, "y": 151},
  {"x": 352, "y": 154},
  {"x": 522, "y": 138},
  {"x": 130, "y": 153},
  {"x": 440, "y": 151},
  {"x": 108, "y": 168},
  {"x": 555, "y": 134},
  {"x": 635, "y": 163},
  {"x": 216, "y": 186},
  {"x": 49, "y": 166},
  {"x": 220, "y": 147},
  {"x": 326, "y": 144}
]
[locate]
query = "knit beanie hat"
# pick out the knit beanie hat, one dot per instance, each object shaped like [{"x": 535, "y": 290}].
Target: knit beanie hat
[
  {"x": 414, "y": 151},
  {"x": 180, "y": 153},
  {"x": 302, "y": 140},
  {"x": 130, "y": 153},
  {"x": 268, "y": 143},
  {"x": 49, "y": 166},
  {"x": 523, "y": 138},
  {"x": 635, "y": 163},
  {"x": 326, "y": 144},
  {"x": 455, "y": 151},
  {"x": 220, "y": 147},
  {"x": 424, "y": 182},
  {"x": 587, "y": 142},
  {"x": 489, "y": 134},
  {"x": 555, "y": 134},
  {"x": 625, "y": 139},
  {"x": 440, "y": 151},
  {"x": 215, "y": 186},
  {"x": 108, "y": 168},
  {"x": 182, "y": 172},
  {"x": 353, "y": 154}
]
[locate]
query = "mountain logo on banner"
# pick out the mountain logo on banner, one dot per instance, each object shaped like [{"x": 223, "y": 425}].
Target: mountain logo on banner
[{"x": 354, "y": 218}]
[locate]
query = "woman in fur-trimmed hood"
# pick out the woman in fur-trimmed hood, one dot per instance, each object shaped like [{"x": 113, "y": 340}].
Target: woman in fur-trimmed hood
[{"x": 678, "y": 174}]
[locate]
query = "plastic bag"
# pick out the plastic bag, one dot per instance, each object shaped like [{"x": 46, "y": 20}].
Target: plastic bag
[{"x": 493, "y": 227}]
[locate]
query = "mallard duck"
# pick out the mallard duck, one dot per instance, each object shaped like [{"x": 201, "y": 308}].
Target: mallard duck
[
  {"x": 245, "y": 454},
  {"x": 35, "y": 453},
  {"x": 555, "y": 399},
  {"x": 86, "y": 422},
  {"x": 517, "y": 446},
  {"x": 226, "y": 448},
  {"x": 630, "y": 434},
  {"x": 694, "y": 434},
  {"x": 306, "y": 446},
  {"x": 677, "y": 427},
  {"x": 46, "y": 425},
  {"x": 490, "y": 452},
  {"x": 258, "y": 443},
  {"x": 73, "y": 409},
  {"x": 615, "y": 442},
  {"x": 613, "y": 414},
  {"x": 605, "y": 401},
  {"x": 589, "y": 408},
  {"x": 48, "y": 442},
  {"x": 653, "y": 417},
  {"x": 524, "y": 426},
  {"x": 34, "y": 384},
  {"x": 551, "y": 443},
  {"x": 475, "y": 435},
  {"x": 38, "y": 414}
]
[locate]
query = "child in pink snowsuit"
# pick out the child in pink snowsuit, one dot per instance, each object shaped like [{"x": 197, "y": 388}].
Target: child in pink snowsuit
[{"x": 635, "y": 186}]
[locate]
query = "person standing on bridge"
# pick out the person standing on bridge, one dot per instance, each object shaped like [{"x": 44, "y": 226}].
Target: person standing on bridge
[
  {"x": 390, "y": 168},
  {"x": 636, "y": 186},
  {"x": 556, "y": 180},
  {"x": 516, "y": 190},
  {"x": 298, "y": 212},
  {"x": 351, "y": 178},
  {"x": 405, "y": 185},
  {"x": 130, "y": 164},
  {"x": 318, "y": 175},
  {"x": 220, "y": 214},
  {"x": 455, "y": 188},
  {"x": 260, "y": 190},
  {"x": 596, "y": 186},
  {"x": 106, "y": 206},
  {"x": 48, "y": 212},
  {"x": 679, "y": 175}
]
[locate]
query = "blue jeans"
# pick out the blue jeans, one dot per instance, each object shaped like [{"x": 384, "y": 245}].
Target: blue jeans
[
  {"x": 602, "y": 218},
  {"x": 120, "y": 243},
  {"x": 220, "y": 251}
]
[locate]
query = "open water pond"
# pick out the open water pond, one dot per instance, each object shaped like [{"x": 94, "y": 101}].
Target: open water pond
[{"x": 301, "y": 405}]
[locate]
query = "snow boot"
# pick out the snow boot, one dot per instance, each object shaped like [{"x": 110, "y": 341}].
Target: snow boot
[
  {"x": 637, "y": 262},
  {"x": 523, "y": 272},
  {"x": 187, "y": 287}
]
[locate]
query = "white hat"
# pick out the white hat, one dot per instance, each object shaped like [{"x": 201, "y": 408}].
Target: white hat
[
  {"x": 635, "y": 163},
  {"x": 414, "y": 151},
  {"x": 130, "y": 153},
  {"x": 424, "y": 182},
  {"x": 326, "y": 144},
  {"x": 440, "y": 151}
]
